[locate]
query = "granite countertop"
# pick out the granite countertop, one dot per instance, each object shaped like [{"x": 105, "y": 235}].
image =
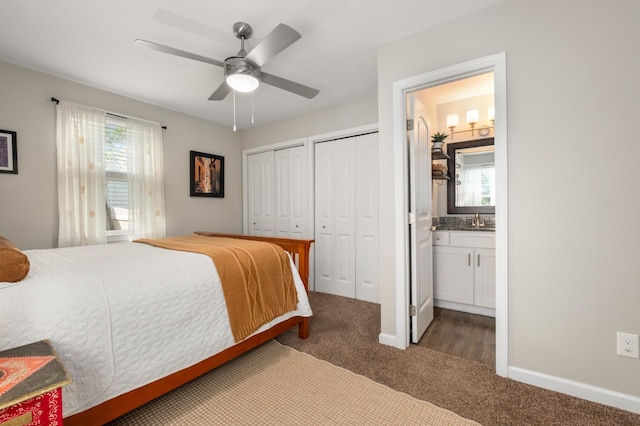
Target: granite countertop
[
  {"x": 448, "y": 227},
  {"x": 464, "y": 223}
]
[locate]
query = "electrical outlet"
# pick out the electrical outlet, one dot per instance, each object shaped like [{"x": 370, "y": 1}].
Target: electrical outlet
[{"x": 628, "y": 345}]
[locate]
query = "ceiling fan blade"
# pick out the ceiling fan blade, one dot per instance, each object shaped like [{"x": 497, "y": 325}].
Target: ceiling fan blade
[
  {"x": 177, "y": 52},
  {"x": 290, "y": 86},
  {"x": 221, "y": 92},
  {"x": 275, "y": 42}
]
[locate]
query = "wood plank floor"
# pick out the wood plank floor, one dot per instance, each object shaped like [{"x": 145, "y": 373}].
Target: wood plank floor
[{"x": 462, "y": 334}]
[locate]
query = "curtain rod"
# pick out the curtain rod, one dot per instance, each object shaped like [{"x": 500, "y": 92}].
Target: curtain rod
[{"x": 57, "y": 101}]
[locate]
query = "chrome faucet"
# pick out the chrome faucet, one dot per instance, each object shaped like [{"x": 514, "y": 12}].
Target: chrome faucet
[{"x": 476, "y": 221}]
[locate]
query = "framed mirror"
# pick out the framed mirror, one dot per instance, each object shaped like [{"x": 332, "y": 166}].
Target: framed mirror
[{"x": 472, "y": 188}]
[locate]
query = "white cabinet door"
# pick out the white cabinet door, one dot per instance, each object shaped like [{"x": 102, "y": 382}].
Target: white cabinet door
[
  {"x": 465, "y": 271},
  {"x": 260, "y": 195},
  {"x": 485, "y": 277},
  {"x": 453, "y": 274}
]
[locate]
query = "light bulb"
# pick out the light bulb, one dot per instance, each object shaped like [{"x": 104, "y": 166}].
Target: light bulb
[{"x": 243, "y": 82}]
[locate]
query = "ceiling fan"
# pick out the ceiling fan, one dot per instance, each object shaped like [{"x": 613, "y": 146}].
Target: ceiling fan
[{"x": 243, "y": 72}]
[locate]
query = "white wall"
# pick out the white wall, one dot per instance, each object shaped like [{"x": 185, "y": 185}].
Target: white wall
[
  {"x": 346, "y": 116},
  {"x": 28, "y": 200},
  {"x": 573, "y": 93}
]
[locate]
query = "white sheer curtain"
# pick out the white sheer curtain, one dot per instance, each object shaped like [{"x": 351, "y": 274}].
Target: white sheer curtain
[
  {"x": 146, "y": 179},
  {"x": 80, "y": 133},
  {"x": 472, "y": 186},
  {"x": 478, "y": 186}
]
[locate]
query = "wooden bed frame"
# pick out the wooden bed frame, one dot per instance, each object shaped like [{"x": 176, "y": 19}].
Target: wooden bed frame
[{"x": 113, "y": 408}]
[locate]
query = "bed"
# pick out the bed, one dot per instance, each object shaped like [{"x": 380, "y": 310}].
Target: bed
[{"x": 132, "y": 321}]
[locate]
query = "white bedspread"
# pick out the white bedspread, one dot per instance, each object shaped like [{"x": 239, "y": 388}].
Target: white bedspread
[{"x": 120, "y": 316}]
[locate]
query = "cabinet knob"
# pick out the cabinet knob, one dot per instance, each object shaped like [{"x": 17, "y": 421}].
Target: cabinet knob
[
  {"x": 297, "y": 226},
  {"x": 438, "y": 238}
]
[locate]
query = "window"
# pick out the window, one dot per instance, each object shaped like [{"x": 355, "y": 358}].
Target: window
[
  {"x": 116, "y": 179},
  {"x": 110, "y": 177}
]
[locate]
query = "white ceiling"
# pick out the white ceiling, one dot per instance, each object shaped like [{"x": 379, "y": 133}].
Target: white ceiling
[{"x": 92, "y": 43}]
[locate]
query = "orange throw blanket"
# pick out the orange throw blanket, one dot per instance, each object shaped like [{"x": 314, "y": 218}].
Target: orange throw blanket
[{"x": 256, "y": 277}]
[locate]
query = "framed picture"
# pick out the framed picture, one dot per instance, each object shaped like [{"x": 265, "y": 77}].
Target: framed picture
[
  {"x": 8, "y": 152},
  {"x": 207, "y": 175}
]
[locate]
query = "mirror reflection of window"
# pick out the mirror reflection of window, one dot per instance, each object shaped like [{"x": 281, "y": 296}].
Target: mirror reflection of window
[{"x": 476, "y": 175}]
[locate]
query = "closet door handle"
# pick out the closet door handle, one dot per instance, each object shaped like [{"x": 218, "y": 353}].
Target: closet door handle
[
  {"x": 469, "y": 259},
  {"x": 478, "y": 260}
]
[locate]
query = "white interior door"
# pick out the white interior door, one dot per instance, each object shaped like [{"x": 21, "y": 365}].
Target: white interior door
[{"x": 420, "y": 230}]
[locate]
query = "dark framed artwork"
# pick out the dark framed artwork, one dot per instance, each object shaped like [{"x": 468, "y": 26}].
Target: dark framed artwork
[
  {"x": 8, "y": 152},
  {"x": 207, "y": 175}
]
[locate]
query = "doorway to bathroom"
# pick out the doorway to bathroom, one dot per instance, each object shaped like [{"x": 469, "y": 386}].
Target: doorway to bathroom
[
  {"x": 459, "y": 114},
  {"x": 470, "y": 126}
]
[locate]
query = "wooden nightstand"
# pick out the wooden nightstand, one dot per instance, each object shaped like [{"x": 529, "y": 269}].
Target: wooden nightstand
[{"x": 31, "y": 378}]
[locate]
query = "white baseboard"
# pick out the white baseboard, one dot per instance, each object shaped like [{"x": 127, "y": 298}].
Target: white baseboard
[
  {"x": 389, "y": 340},
  {"x": 577, "y": 389}
]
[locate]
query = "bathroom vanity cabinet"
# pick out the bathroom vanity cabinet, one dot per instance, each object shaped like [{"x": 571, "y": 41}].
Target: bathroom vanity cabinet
[{"x": 464, "y": 271}]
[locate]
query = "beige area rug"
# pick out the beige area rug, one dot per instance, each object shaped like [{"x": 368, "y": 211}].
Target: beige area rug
[{"x": 277, "y": 385}]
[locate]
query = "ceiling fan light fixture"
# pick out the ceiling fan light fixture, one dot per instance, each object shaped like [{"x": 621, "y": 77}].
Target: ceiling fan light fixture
[{"x": 244, "y": 82}]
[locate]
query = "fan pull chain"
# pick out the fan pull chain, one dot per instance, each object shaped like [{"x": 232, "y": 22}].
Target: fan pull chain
[
  {"x": 234, "y": 110},
  {"x": 252, "y": 120}
]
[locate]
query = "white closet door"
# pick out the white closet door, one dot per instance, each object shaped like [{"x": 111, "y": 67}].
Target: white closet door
[
  {"x": 291, "y": 193},
  {"x": 261, "y": 194},
  {"x": 324, "y": 240},
  {"x": 335, "y": 217},
  {"x": 366, "y": 217},
  {"x": 281, "y": 192},
  {"x": 344, "y": 218},
  {"x": 298, "y": 193}
]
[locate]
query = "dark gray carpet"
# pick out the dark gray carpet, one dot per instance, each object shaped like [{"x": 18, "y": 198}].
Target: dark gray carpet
[{"x": 345, "y": 332}]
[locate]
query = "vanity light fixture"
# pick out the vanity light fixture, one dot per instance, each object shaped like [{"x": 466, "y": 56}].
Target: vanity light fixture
[
  {"x": 473, "y": 117},
  {"x": 452, "y": 122}
]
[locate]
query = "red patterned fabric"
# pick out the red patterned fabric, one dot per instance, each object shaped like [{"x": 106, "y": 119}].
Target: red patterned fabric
[{"x": 46, "y": 409}]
